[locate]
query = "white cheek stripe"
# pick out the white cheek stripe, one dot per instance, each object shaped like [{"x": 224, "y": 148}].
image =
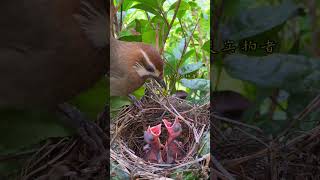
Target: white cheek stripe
[
  {"x": 146, "y": 57},
  {"x": 141, "y": 70}
]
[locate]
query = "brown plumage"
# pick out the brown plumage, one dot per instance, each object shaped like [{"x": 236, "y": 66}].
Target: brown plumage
[
  {"x": 52, "y": 50},
  {"x": 45, "y": 57},
  {"x": 124, "y": 78},
  {"x": 131, "y": 64}
]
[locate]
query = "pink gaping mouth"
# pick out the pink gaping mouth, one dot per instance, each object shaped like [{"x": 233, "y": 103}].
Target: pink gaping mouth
[
  {"x": 156, "y": 130},
  {"x": 167, "y": 123}
]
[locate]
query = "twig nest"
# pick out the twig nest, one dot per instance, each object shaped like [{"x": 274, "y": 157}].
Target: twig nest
[
  {"x": 248, "y": 153},
  {"x": 127, "y": 137}
]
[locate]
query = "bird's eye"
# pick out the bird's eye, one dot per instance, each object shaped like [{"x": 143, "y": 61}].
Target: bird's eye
[{"x": 150, "y": 69}]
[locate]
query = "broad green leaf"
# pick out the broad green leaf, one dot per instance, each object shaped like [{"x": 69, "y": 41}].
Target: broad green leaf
[
  {"x": 196, "y": 84},
  {"x": 183, "y": 6},
  {"x": 151, "y": 3},
  {"x": 290, "y": 72},
  {"x": 147, "y": 8},
  {"x": 92, "y": 101},
  {"x": 187, "y": 55},
  {"x": 131, "y": 38},
  {"x": 189, "y": 68},
  {"x": 139, "y": 92},
  {"x": 171, "y": 63},
  {"x": 206, "y": 46},
  {"x": 126, "y": 5},
  {"x": 20, "y": 128},
  {"x": 254, "y": 21},
  {"x": 149, "y": 37},
  {"x": 181, "y": 13},
  {"x": 232, "y": 7},
  {"x": 193, "y": 4},
  {"x": 118, "y": 101}
]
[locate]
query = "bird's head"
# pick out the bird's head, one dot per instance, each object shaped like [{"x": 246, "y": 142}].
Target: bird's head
[
  {"x": 175, "y": 129},
  {"x": 149, "y": 64},
  {"x": 152, "y": 133}
]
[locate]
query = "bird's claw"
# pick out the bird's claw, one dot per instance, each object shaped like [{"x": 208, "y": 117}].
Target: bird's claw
[
  {"x": 136, "y": 102},
  {"x": 93, "y": 136},
  {"x": 89, "y": 132}
]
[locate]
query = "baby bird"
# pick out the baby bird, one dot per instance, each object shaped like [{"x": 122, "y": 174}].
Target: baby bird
[
  {"x": 173, "y": 148},
  {"x": 153, "y": 148}
]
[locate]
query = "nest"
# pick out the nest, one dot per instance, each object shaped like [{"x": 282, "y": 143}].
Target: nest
[
  {"x": 242, "y": 151},
  {"x": 127, "y": 136}
]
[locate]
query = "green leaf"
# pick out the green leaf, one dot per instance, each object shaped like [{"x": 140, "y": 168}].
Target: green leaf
[
  {"x": 171, "y": 63},
  {"x": 187, "y": 55},
  {"x": 131, "y": 38},
  {"x": 206, "y": 46},
  {"x": 147, "y": 8},
  {"x": 196, "y": 84},
  {"x": 183, "y": 6},
  {"x": 118, "y": 101},
  {"x": 20, "y": 128},
  {"x": 258, "y": 20},
  {"x": 193, "y": 4},
  {"x": 126, "y": 5},
  {"x": 92, "y": 101},
  {"x": 139, "y": 92},
  {"x": 290, "y": 72},
  {"x": 149, "y": 37},
  {"x": 189, "y": 68},
  {"x": 150, "y": 3}
]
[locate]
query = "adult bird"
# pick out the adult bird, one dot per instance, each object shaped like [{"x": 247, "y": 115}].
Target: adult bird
[
  {"x": 51, "y": 51},
  {"x": 131, "y": 64},
  {"x": 47, "y": 57}
]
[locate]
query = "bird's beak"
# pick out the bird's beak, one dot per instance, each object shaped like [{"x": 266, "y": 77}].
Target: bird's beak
[
  {"x": 168, "y": 125},
  {"x": 156, "y": 130},
  {"x": 161, "y": 82}
]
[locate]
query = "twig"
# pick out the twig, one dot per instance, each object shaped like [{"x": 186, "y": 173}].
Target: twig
[
  {"x": 311, "y": 106},
  {"x": 170, "y": 26},
  {"x": 50, "y": 162},
  {"x": 207, "y": 156},
  {"x": 253, "y": 137},
  {"x": 17, "y": 155},
  {"x": 237, "y": 122},
  {"x": 221, "y": 168}
]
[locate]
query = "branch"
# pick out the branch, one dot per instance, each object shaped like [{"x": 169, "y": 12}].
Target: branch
[{"x": 170, "y": 26}]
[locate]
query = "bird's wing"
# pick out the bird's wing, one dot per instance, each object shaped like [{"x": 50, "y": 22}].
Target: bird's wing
[{"x": 94, "y": 24}]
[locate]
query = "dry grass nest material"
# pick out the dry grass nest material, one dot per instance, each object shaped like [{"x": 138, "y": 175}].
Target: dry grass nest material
[
  {"x": 127, "y": 136},
  {"x": 242, "y": 151}
]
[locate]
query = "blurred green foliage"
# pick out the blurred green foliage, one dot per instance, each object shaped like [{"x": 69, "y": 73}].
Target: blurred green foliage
[{"x": 289, "y": 73}]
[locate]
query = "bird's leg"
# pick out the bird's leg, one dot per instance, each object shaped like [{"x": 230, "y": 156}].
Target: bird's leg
[
  {"x": 135, "y": 101},
  {"x": 89, "y": 132}
]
